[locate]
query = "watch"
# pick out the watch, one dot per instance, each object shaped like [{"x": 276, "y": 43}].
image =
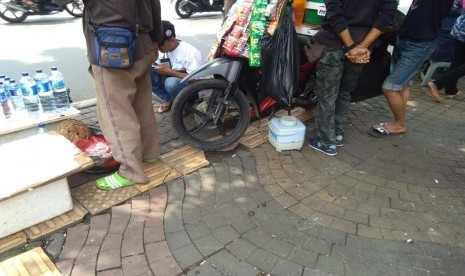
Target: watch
[{"x": 347, "y": 49}]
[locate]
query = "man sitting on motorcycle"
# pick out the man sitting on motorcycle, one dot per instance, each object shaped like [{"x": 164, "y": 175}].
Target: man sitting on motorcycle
[{"x": 179, "y": 59}]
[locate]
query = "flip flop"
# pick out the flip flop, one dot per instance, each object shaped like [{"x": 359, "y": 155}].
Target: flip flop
[
  {"x": 113, "y": 182},
  {"x": 379, "y": 132}
]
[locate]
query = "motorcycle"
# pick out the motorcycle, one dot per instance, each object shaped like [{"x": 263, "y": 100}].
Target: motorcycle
[
  {"x": 185, "y": 8},
  {"x": 16, "y": 11},
  {"x": 212, "y": 114}
]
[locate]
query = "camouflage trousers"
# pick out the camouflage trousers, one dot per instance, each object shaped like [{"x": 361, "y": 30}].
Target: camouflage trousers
[{"x": 337, "y": 77}]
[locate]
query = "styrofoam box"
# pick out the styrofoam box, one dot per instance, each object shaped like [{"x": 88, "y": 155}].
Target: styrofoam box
[
  {"x": 286, "y": 133},
  {"x": 34, "y": 206}
]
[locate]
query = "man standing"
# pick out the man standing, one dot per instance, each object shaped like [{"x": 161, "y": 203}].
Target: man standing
[
  {"x": 348, "y": 31},
  {"x": 124, "y": 96},
  {"x": 416, "y": 42}
]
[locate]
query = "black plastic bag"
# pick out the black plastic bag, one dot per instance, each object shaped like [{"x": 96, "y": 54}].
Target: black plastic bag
[{"x": 280, "y": 59}]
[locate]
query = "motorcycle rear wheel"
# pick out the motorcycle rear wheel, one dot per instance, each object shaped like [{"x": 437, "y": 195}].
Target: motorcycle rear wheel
[
  {"x": 10, "y": 15},
  {"x": 75, "y": 8},
  {"x": 195, "y": 107},
  {"x": 181, "y": 11}
]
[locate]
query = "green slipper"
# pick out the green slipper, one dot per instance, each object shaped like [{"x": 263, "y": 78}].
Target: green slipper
[
  {"x": 151, "y": 160},
  {"x": 112, "y": 182}
]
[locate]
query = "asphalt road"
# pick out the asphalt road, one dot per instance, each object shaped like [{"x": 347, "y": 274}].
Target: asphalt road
[{"x": 57, "y": 40}]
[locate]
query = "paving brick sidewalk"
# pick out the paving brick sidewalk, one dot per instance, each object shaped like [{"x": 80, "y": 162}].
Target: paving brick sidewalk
[{"x": 382, "y": 206}]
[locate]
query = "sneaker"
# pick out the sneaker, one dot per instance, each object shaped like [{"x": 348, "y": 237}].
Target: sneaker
[
  {"x": 339, "y": 140},
  {"x": 315, "y": 144}
]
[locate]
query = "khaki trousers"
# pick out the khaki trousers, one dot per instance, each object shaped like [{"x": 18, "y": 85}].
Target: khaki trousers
[{"x": 126, "y": 116}]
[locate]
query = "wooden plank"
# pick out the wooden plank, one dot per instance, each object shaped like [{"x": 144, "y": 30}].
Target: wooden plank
[
  {"x": 55, "y": 224},
  {"x": 13, "y": 241},
  {"x": 32, "y": 262}
]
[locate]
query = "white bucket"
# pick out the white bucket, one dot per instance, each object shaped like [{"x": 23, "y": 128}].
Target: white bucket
[{"x": 286, "y": 133}]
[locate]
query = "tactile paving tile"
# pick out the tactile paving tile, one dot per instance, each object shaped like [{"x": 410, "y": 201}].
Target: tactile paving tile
[
  {"x": 185, "y": 159},
  {"x": 252, "y": 137},
  {"x": 13, "y": 241},
  {"x": 57, "y": 223},
  {"x": 98, "y": 201},
  {"x": 158, "y": 173},
  {"x": 32, "y": 262}
]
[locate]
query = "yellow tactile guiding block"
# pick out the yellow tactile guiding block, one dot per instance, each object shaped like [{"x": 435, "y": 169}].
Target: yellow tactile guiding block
[
  {"x": 158, "y": 173},
  {"x": 32, "y": 262},
  {"x": 185, "y": 159},
  {"x": 97, "y": 201},
  {"x": 57, "y": 223},
  {"x": 13, "y": 241}
]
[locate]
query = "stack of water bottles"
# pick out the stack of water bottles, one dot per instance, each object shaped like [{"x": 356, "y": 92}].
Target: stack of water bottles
[{"x": 41, "y": 95}]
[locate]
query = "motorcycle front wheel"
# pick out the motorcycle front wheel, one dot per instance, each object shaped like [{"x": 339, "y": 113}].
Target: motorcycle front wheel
[
  {"x": 75, "y": 8},
  {"x": 196, "y": 107},
  {"x": 10, "y": 15},
  {"x": 181, "y": 9}
]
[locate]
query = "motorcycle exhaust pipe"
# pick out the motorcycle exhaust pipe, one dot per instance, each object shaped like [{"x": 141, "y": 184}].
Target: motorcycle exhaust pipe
[{"x": 15, "y": 7}]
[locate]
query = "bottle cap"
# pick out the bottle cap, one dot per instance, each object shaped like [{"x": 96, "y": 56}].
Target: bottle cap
[
  {"x": 39, "y": 70},
  {"x": 288, "y": 121}
]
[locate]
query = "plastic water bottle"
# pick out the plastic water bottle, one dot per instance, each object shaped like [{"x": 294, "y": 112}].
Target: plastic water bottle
[
  {"x": 60, "y": 92},
  {"x": 31, "y": 99},
  {"x": 4, "y": 101},
  {"x": 6, "y": 83},
  {"x": 16, "y": 96},
  {"x": 44, "y": 90},
  {"x": 40, "y": 128}
]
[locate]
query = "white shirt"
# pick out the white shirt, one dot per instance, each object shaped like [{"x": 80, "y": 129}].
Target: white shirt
[{"x": 185, "y": 58}]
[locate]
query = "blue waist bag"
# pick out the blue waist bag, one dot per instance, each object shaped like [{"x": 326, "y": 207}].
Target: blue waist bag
[{"x": 114, "y": 47}]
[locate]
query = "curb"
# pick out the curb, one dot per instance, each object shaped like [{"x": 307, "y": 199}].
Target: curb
[{"x": 84, "y": 103}]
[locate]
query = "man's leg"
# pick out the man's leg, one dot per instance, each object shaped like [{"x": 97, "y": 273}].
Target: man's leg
[
  {"x": 328, "y": 75},
  {"x": 397, "y": 103},
  {"x": 115, "y": 91},
  {"x": 144, "y": 111},
  {"x": 408, "y": 57},
  {"x": 158, "y": 87},
  {"x": 173, "y": 86},
  {"x": 349, "y": 81}
]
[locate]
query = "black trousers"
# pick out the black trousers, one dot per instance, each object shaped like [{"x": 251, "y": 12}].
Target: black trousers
[{"x": 456, "y": 70}]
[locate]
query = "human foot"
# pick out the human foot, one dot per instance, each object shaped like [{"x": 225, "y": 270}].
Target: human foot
[
  {"x": 113, "y": 182},
  {"x": 165, "y": 107},
  {"x": 455, "y": 96},
  {"x": 433, "y": 92}
]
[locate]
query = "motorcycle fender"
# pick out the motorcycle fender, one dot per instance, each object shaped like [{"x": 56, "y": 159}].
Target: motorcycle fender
[{"x": 229, "y": 68}]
